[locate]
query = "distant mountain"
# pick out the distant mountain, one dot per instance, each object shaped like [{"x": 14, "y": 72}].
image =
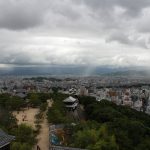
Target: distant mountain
[
  {"x": 69, "y": 70},
  {"x": 130, "y": 73}
]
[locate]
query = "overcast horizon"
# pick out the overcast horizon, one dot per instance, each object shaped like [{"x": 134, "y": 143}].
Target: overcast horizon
[{"x": 75, "y": 32}]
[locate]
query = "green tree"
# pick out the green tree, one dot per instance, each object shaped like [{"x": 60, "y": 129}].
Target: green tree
[
  {"x": 7, "y": 120},
  {"x": 14, "y": 103},
  {"x": 20, "y": 146},
  {"x": 3, "y": 99},
  {"x": 85, "y": 138},
  {"x": 145, "y": 145},
  {"x": 43, "y": 106},
  {"x": 57, "y": 113},
  {"x": 129, "y": 127},
  {"x": 94, "y": 139},
  {"x": 103, "y": 144},
  {"x": 34, "y": 99},
  {"x": 25, "y": 134},
  {"x": 43, "y": 97}
]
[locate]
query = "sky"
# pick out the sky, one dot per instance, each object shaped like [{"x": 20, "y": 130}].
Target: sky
[{"x": 75, "y": 32}]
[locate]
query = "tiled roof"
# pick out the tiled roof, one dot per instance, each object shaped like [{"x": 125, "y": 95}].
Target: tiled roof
[
  {"x": 5, "y": 138},
  {"x": 64, "y": 148},
  {"x": 69, "y": 99}
]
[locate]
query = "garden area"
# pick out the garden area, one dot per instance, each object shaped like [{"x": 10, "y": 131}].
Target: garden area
[{"x": 25, "y": 119}]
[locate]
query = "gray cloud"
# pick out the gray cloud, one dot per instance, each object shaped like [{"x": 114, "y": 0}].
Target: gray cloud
[
  {"x": 120, "y": 37},
  {"x": 97, "y": 32},
  {"x": 21, "y": 14},
  {"x": 132, "y": 8},
  {"x": 128, "y": 39}
]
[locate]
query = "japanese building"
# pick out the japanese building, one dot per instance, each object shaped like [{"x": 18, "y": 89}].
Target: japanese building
[
  {"x": 5, "y": 140},
  {"x": 71, "y": 103}
]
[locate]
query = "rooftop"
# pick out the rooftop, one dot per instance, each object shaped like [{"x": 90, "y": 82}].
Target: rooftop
[
  {"x": 69, "y": 99},
  {"x": 63, "y": 148},
  {"x": 5, "y": 139}
]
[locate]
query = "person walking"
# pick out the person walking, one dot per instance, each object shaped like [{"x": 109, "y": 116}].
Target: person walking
[{"x": 38, "y": 148}]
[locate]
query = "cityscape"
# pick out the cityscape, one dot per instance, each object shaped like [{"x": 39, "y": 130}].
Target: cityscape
[
  {"x": 134, "y": 92},
  {"x": 31, "y": 100},
  {"x": 74, "y": 74}
]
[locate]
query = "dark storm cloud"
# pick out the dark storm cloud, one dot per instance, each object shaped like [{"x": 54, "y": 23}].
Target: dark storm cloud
[
  {"x": 132, "y": 7},
  {"x": 21, "y": 14}
]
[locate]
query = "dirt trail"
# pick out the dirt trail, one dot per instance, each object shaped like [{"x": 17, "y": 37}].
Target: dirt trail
[
  {"x": 43, "y": 137},
  {"x": 28, "y": 115}
]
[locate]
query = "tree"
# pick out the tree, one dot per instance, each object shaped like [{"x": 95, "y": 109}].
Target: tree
[
  {"x": 127, "y": 128},
  {"x": 109, "y": 144},
  {"x": 57, "y": 113},
  {"x": 145, "y": 145},
  {"x": 25, "y": 134},
  {"x": 43, "y": 106},
  {"x": 43, "y": 97},
  {"x": 7, "y": 120},
  {"x": 20, "y": 146},
  {"x": 3, "y": 99},
  {"x": 55, "y": 90},
  {"x": 95, "y": 139},
  {"x": 14, "y": 103},
  {"x": 34, "y": 100},
  {"x": 85, "y": 138}
]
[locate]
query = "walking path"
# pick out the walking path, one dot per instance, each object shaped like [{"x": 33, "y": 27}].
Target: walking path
[
  {"x": 28, "y": 117},
  {"x": 43, "y": 137}
]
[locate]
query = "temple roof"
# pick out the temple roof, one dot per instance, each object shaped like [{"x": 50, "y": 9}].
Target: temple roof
[
  {"x": 69, "y": 99},
  {"x": 5, "y": 139},
  {"x": 64, "y": 148}
]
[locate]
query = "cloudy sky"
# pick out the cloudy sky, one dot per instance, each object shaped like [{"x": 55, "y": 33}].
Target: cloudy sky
[{"x": 75, "y": 32}]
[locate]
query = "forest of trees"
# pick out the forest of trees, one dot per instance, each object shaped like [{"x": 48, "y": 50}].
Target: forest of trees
[
  {"x": 106, "y": 127},
  {"x": 57, "y": 113},
  {"x": 112, "y": 127}
]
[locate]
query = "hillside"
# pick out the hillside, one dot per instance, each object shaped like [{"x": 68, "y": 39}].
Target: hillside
[{"x": 112, "y": 127}]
